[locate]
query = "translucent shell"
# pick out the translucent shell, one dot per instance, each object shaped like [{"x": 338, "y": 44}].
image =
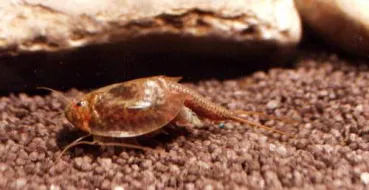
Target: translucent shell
[{"x": 134, "y": 108}]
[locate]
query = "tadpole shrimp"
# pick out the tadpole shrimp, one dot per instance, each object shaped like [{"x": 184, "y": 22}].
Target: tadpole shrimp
[{"x": 141, "y": 106}]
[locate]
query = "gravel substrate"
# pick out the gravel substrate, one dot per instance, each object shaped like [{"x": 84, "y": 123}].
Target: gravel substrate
[{"x": 328, "y": 96}]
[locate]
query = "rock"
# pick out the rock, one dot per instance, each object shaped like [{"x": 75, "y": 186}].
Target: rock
[
  {"x": 343, "y": 23},
  {"x": 36, "y": 25},
  {"x": 87, "y": 44}
]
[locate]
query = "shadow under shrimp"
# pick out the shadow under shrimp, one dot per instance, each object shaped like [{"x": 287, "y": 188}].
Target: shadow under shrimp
[
  {"x": 67, "y": 135},
  {"x": 160, "y": 138},
  {"x": 168, "y": 134}
]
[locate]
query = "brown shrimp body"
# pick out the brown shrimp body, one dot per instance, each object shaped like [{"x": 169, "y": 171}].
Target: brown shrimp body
[
  {"x": 202, "y": 106},
  {"x": 128, "y": 109},
  {"x": 141, "y": 106}
]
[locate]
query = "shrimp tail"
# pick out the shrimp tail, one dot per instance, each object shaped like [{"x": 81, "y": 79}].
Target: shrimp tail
[
  {"x": 242, "y": 120},
  {"x": 286, "y": 120}
]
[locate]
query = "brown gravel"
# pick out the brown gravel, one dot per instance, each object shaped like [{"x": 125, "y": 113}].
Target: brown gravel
[{"x": 329, "y": 96}]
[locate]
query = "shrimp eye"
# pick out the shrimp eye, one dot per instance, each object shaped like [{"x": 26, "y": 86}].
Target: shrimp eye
[{"x": 80, "y": 103}]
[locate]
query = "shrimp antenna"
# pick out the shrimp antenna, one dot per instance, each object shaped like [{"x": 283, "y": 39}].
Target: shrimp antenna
[
  {"x": 57, "y": 114},
  {"x": 74, "y": 143},
  {"x": 55, "y": 91},
  {"x": 80, "y": 142}
]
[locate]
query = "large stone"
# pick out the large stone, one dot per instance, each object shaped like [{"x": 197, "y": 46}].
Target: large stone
[
  {"x": 39, "y": 25},
  {"x": 343, "y": 23},
  {"x": 82, "y": 43}
]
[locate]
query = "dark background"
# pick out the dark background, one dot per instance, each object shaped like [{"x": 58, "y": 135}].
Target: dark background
[{"x": 193, "y": 59}]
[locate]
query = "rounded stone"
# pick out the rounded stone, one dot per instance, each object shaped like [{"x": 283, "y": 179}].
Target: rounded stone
[{"x": 344, "y": 23}]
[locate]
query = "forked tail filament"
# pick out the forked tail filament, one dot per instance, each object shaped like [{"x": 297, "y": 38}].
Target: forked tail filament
[
  {"x": 286, "y": 120},
  {"x": 243, "y": 120}
]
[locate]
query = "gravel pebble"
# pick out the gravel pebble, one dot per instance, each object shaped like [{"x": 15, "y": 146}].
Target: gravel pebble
[
  {"x": 365, "y": 178},
  {"x": 273, "y": 104}
]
